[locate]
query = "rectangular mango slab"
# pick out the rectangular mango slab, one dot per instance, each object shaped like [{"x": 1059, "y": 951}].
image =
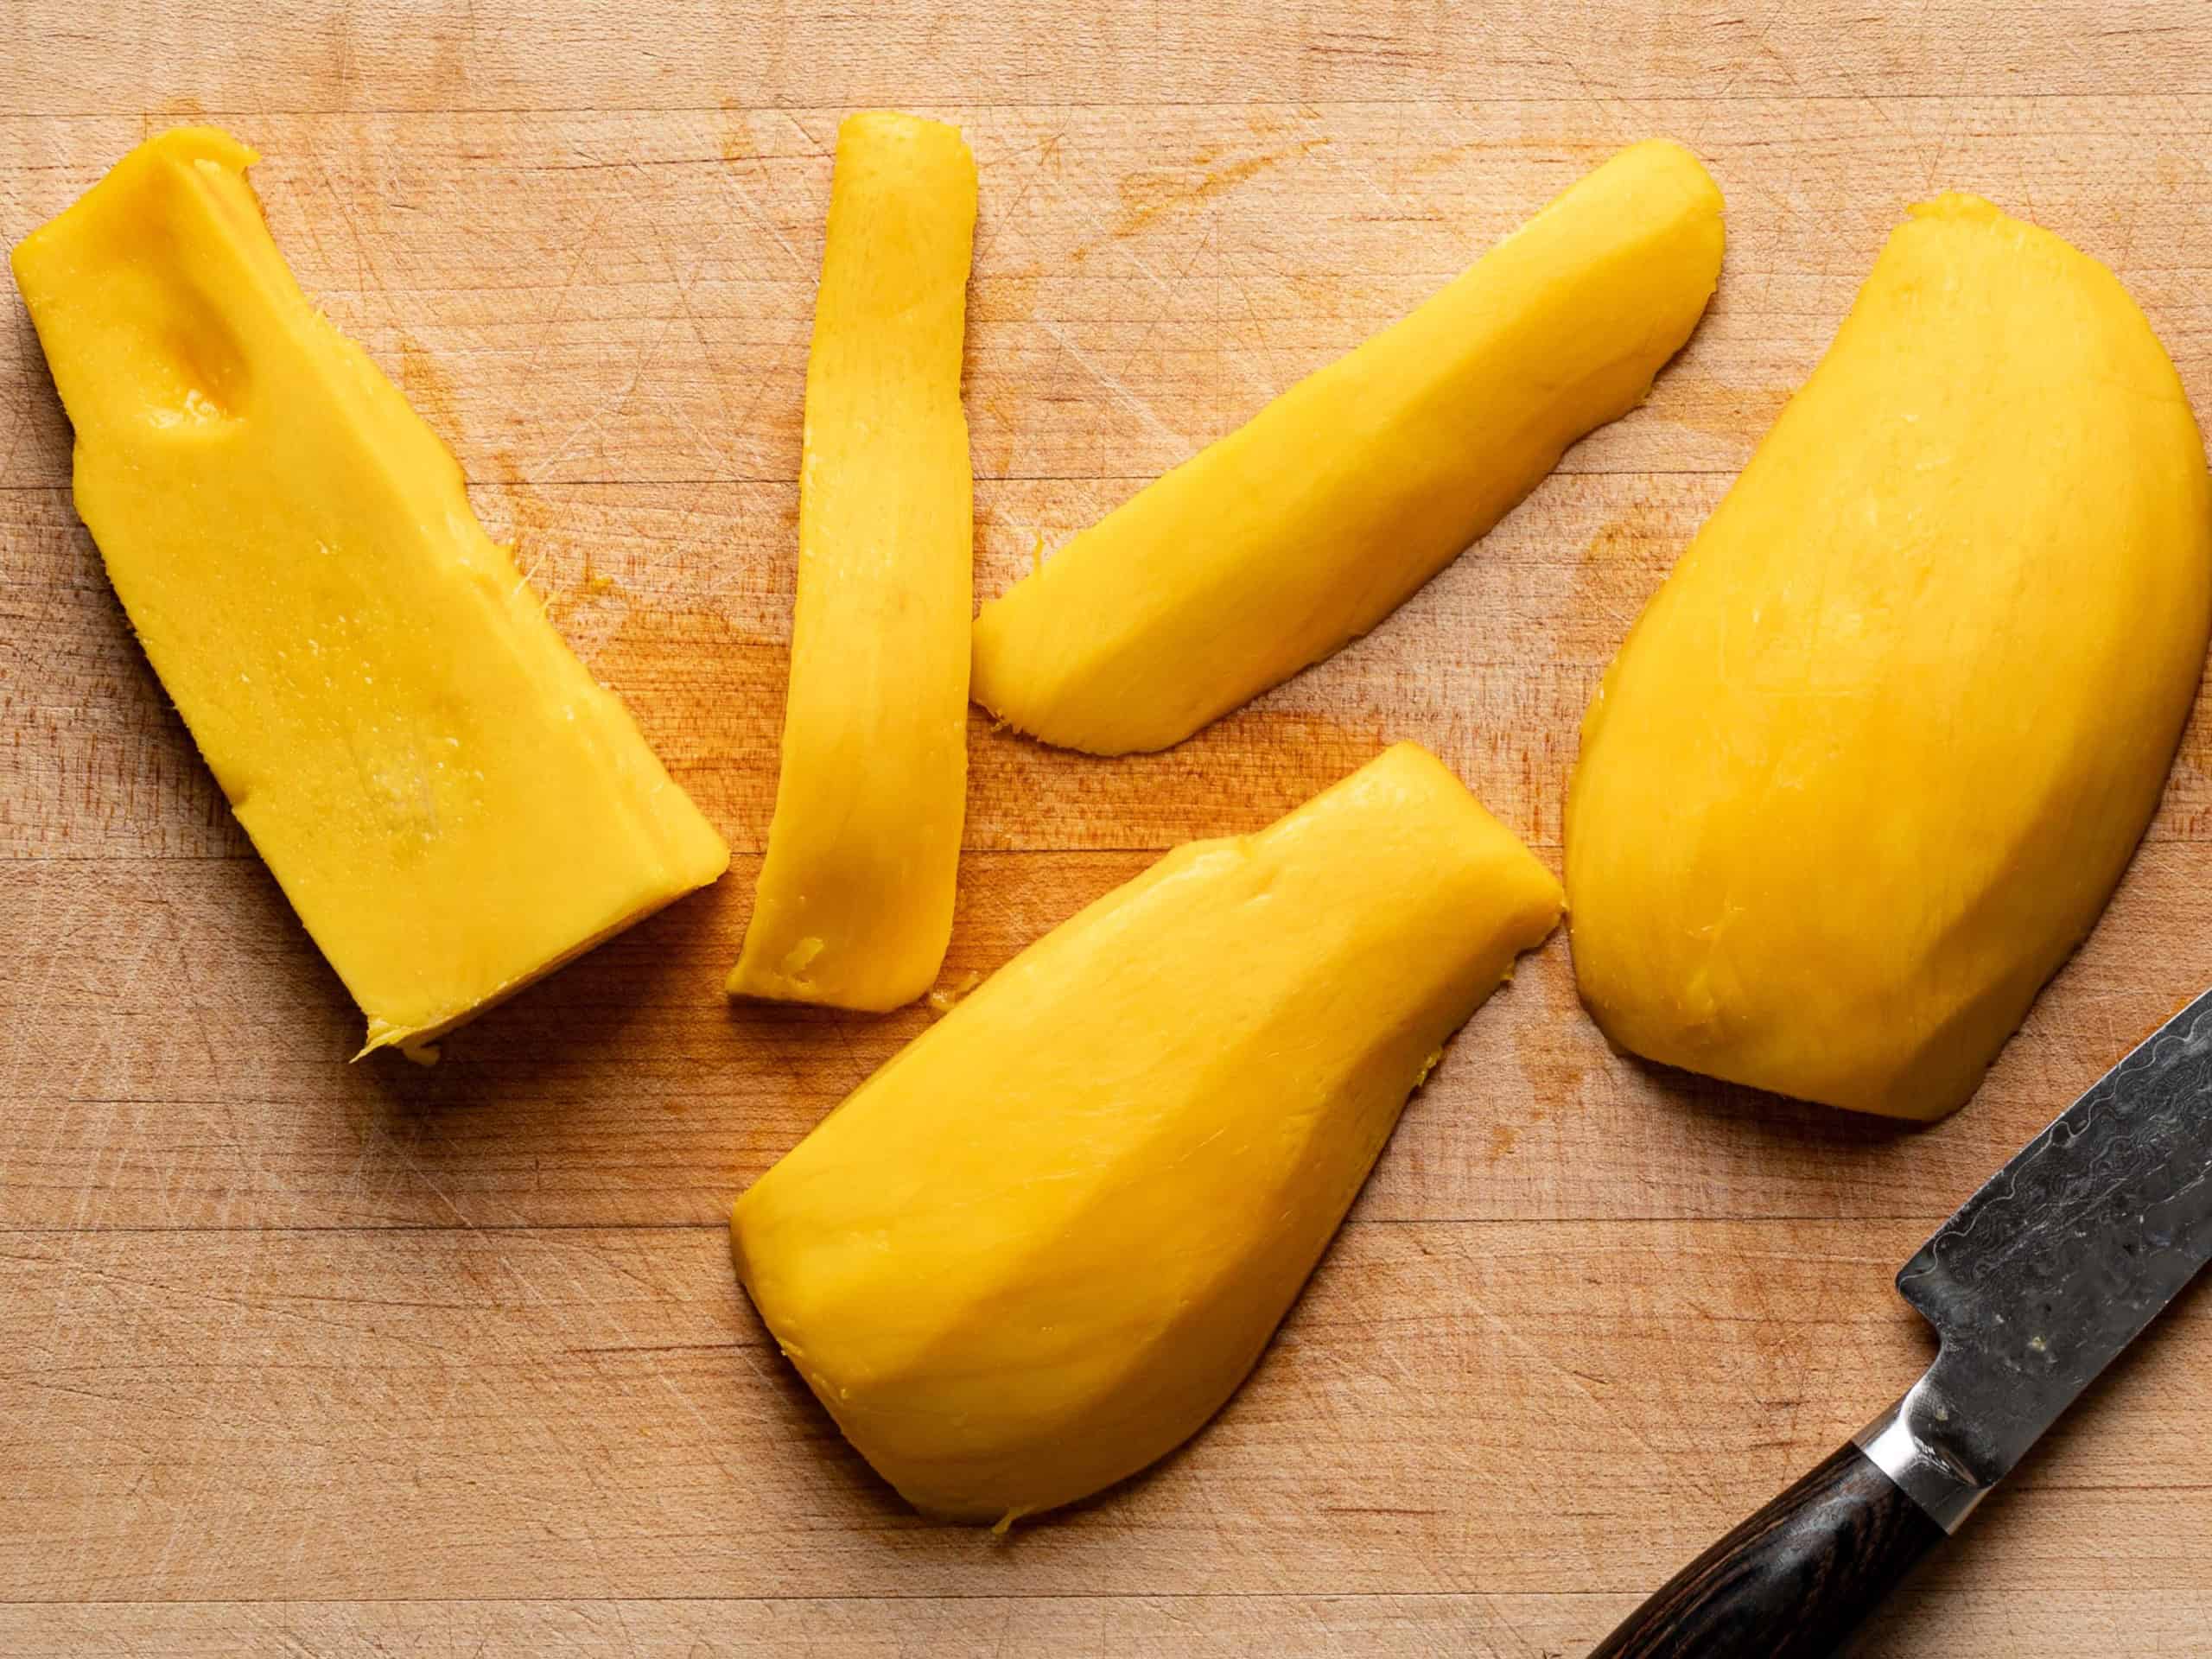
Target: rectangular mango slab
[
  {"x": 451, "y": 802},
  {"x": 853, "y": 907},
  {"x": 1041, "y": 1246},
  {"x": 1312, "y": 522}
]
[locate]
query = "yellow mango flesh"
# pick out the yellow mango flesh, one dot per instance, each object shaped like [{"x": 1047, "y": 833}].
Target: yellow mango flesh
[
  {"x": 1876, "y": 753},
  {"x": 1041, "y": 1246},
  {"x": 854, "y": 905},
  {"x": 450, "y": 801},
  {"x": 1309, "y": 524}
]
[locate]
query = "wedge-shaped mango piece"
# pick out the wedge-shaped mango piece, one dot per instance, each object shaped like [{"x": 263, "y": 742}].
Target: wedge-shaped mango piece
[
  {"x": 1309, "y": 524},
  {"x": 1038, "y": 1248},
  {"x": 450, "y": 801},
  {"x": 853, "y": 907},
  {"x": 1872, "y": 760}
]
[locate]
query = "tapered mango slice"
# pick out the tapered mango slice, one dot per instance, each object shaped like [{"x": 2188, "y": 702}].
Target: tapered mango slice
[
  {"x": 1309, "y": 524},
  {"x": 452, "y": 804},
  {"x": 1037, "y": 1250},
  {"x": 855, "y": 901},
  {"x": 1872, "y": 760}
]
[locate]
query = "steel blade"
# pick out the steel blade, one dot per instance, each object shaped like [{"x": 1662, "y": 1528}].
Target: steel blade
[{"x": 2058, "y": 1262}]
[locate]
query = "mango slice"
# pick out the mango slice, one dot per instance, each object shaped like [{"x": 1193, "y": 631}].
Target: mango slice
[
  {"x": 1040, "y": 1246},
  {"x": 450, "y": 801},
  {"x": 1309, "y": 524},
  {"x": 854, "y": 905},
  {"x": 1876, "y": 753}
]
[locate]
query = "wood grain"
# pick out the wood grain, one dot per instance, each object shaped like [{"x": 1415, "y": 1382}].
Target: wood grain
[
  {"x": 296, "y": 1356},
  {"x": 1454, "y": 1407}
]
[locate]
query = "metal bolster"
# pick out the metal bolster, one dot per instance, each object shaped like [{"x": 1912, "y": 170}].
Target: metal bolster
[{"x": 1905, "y": 1443}]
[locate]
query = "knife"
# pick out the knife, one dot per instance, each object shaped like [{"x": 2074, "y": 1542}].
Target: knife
[{"x": 2034, "y": 1286}]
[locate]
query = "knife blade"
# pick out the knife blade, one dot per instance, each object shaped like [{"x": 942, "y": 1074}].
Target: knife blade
[{"x": 2033, "y": 1286}]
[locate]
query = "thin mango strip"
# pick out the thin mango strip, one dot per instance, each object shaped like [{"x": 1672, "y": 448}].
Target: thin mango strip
[
  {"x": 1309, "y": 524},
  {"x": 854, "y": 905}
]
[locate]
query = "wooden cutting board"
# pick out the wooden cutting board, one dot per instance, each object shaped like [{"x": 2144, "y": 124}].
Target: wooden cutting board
[{"x": 297, "y": 1357}]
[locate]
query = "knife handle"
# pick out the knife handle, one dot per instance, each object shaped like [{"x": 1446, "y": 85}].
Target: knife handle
[{"x": 1792, "y": 1582}]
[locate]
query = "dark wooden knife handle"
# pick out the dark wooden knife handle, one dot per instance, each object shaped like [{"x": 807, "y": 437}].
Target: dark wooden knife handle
[{"x": 1795, "y": 1580}]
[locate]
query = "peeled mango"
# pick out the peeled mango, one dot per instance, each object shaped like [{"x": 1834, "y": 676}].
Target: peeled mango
[
  {"x": 450, "y": 801},
  {"x": 854, "y": 907},
  {"x": 1875, "y": 755},
  {"x": 1041, "y": 1246},
  {"x": 1313, "y": 521}
]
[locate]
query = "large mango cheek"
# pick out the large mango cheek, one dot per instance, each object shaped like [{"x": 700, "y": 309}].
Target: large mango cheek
[{"x": 1871, "y": 761}]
